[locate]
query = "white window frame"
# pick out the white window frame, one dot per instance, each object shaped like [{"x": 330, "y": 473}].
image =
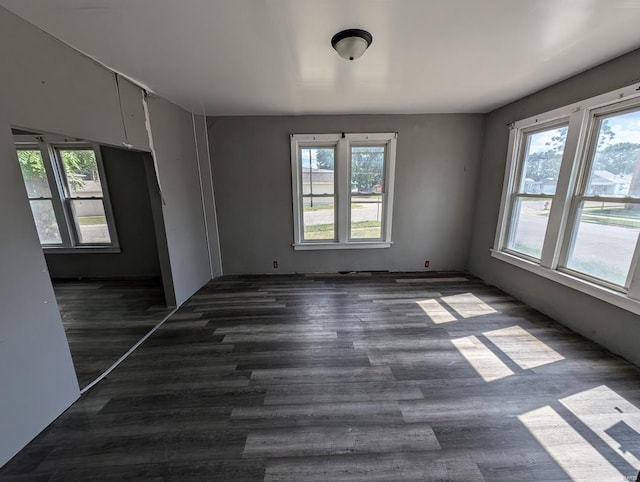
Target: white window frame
[
  {"x": 572, "y": 179},
  {"x": 342, "y": 143},
  {"x": 514, "y": 188},
  {"x": 48, "y": 146}
]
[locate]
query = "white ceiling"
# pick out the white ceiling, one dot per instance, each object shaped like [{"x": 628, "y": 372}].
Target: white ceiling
[{"x": 239, "y": 57}]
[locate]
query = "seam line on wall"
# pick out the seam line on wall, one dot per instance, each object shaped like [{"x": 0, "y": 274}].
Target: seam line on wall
[
  {"x": 204, "y": 206},
  {"x": 213, "y": 197},
  {"x": 152, "y": 150}
]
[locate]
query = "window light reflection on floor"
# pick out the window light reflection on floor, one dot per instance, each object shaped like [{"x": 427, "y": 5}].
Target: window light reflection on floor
[
  {"x": 435, "y": 311},
  {"x": 467, "y": 305},
  {"x": 522, "y": 347},
  {"x": 515, "y": 342},
  {"x": 611, "y": 417},
  {"x": 483, "y": 360},
  {"x": 577, "y": 457}
]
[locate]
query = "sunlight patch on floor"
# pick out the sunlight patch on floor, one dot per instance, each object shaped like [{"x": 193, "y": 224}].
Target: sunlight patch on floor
[
  {"x": 577, "y": 457},
  {"x": 614, "y": 419},
  {"x": 522, "y": 347},
  {"x": 435, "y": 311},
  {"x": 483, "y": 360},
  {"x": 468, "y": 305}
]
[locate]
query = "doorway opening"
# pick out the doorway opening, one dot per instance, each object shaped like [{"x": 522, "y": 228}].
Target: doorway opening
[{"x": 97, "y": 210}]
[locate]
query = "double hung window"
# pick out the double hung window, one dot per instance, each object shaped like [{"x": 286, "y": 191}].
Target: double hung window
[
  {"x": 606, "y": 212},
  {"x": 571, "y": 200},
  {"x": 342, "y": 190},
  {"x": 541, "y": 155},
  {"x": 66, "y": 187}
]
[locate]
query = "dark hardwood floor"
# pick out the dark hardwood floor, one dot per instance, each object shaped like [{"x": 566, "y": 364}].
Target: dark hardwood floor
[
  {"x": 351, "y": 377},
  {"x": 103, "y": 318}
]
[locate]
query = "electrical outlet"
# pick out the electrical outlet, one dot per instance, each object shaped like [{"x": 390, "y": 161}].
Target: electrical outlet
[
  {"x": 275, "y": 265},
  {"x": 426, "y": 263}
]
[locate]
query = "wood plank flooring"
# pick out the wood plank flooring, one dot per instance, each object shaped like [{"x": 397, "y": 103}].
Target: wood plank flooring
[
  {"x": 103, "y": 318},
  {"x": 367, "y": 377}
]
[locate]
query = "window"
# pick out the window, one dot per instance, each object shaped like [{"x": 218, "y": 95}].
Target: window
[
  {"x": 571, "y": 200},
  {"x": 342, "y": 190},
  {"x": 607, "y": 205},
  {"x": 533, "y": 197},
  {"x": 66, "y": 187}
]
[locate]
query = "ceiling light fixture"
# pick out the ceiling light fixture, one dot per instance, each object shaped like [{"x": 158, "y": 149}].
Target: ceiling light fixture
[{"x": 352, "y": 43}]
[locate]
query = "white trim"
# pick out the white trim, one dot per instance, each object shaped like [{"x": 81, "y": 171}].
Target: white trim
[
  {"x": 81, "y": 249},
  {"x": 507, "y": 188},
  {"x": 343, "y": 188},
  {"x": 610, "y": 296},
  {"x": 373, "y": 137},
  {"x": 308, "y": 246},
  {"x": 313, "y": 139},
  {"x": 106, "y": 199},
  {"x": 57, "y": 195},
  {"x": 567, "y": 175},
  {"x": 619, "y": 95},
  {"x": 390, "y": 182},
  {"x": 634, "y": 275},
  {"x": 342, "y": 193},
  {"x": 295, "y": 189}
]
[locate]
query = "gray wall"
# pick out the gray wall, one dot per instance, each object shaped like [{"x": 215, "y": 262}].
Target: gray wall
[
  {"x": 129, "y": 194},
  {"x": 177, "y": 163},
  {"x": 37, "y": 378},
  {"x": 610, "y": 326},
  {"x": 436, "y": 169},
  {"x": 52, "y": 88}
]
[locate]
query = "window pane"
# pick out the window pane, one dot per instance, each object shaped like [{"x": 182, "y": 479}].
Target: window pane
[
  {"x": 616, "y": 166},
  {"x": 45, "y": 219},
  {"x": 33, "y": 173},
  {"x": 367, "y": 169},
  {"x": 319, "y": 218},
  {"x": 81, "y": 169},
  {"x": 605, "y": 240},
  {"x": 530, "y": 216},
  {"x": 543, "y": 156},
  {"x": 91, "y": 222},
  {"x": 366, "y": 217},
  {"x": 317, "y": 170}
]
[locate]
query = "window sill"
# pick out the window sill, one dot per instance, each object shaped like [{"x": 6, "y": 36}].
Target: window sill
[
  {"x": 83, "y": 250},
  {"x": 607, "y": 295},
  {"x": 351, "y": 245}
]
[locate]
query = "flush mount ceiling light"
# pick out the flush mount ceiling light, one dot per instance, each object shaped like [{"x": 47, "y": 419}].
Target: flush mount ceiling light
[{"x": 351, "y": 44}]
